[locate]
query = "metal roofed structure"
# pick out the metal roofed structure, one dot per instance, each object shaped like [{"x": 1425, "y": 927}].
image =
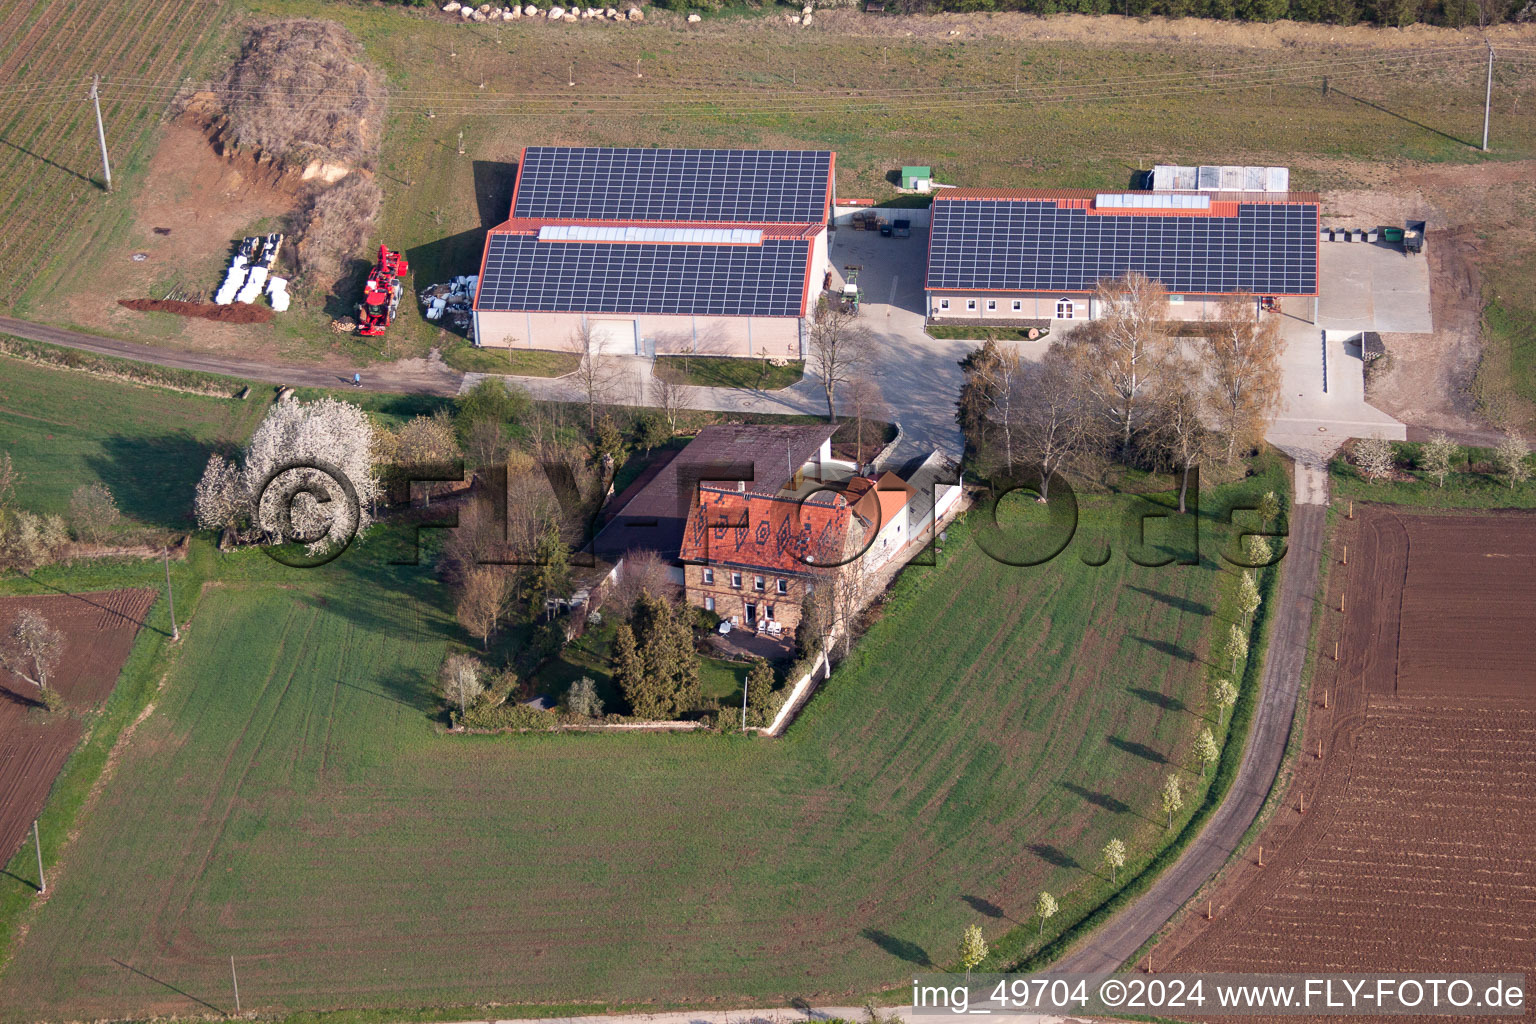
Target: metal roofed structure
[
  {"x": 658, "y": 251},
  {"x": 1220, "y": 178},
  {"x": 1026, "y": 255}
]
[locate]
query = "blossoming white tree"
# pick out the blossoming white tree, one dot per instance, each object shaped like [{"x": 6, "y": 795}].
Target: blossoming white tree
[{"x": 290, "y": 469}]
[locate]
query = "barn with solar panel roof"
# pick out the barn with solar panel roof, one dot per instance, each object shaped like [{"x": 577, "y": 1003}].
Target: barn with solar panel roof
[
  {"x": 1025, "y": 255},
  {"x": 658, "y": 251}
]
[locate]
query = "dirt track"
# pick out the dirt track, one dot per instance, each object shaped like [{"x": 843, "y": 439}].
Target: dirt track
[
  {"x": 410, "y": 376},
  {"x": 1414, "y": 851},
  {"x": 99, "y": 629}
]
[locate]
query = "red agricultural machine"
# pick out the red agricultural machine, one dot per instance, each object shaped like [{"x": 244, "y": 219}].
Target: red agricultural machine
[{"x": 381, "y": 294}]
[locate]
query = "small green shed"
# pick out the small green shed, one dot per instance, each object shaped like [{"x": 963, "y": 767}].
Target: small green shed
[{"x": 917, "y": 179}]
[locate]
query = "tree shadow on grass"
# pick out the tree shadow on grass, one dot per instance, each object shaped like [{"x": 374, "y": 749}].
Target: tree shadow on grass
[
  {"x": 1103, "y": 800},
  {"x": 1140, "y": 750},
  {"x": 1161, "y": 700},
  {"x": 153, "y": 478},
  {"x": 984, "y": 907},
  {"x": 1057, "y": 857},
  {"x": 1170, "y": 649},
  {"x": 1183, "y": 604},
  {"x": 904, "y": 949}
]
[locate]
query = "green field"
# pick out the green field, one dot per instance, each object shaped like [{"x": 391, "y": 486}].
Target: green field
[
  {"x": 293, "y": 802},
  {"x": 148, "y": 444}
]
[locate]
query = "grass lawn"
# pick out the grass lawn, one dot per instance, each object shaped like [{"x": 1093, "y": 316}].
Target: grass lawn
[
  {"x": 519, "y": 362},
  {"x": 726, "y": 372},
  {"x": 972, "y": 333},
  {"x": 1510, "y": 335},
  {"x": 64, "y": 429},
  {"x": 291, "y": 800}
]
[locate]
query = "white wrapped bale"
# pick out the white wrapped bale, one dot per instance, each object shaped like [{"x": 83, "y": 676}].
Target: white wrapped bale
[{"x": 253, "y": 285}]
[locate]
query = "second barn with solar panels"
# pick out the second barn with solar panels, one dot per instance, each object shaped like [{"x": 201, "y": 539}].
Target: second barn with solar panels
[
  {"x": 658, "y": 251},
  {"x": 1039, "y": 255}
]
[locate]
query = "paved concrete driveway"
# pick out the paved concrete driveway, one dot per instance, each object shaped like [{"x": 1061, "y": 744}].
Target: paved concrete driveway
[
  {"x": 1372, "y": 286},
  {"x": 918, "y": 375}
]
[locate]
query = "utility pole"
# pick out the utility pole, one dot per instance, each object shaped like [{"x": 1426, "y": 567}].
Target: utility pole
[
  {"x": 235, "y": 981},
  {"x": 743, "y": 705},
  {"x": 101, "y": 132},
  {"x": 461, "y": 142},
  {"x": 42, "y": 883},
  {"x": 169, "y": 596},
  {"x": 1487, "y": 102}
]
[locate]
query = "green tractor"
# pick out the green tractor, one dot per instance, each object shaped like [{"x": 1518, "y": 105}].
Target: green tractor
[{"x": 852, "y": 295}]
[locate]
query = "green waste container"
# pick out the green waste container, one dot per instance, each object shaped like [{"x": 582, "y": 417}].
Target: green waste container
[{"x": 1391, "y": 234}]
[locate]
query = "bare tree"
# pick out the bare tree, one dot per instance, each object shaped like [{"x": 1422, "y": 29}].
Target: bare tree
[
  {"x": 485, "y": 444},
  {"x": 483, "y": 602},
  {"x": 1129, "y": 348},
  {"x": 598, "y": 374},
  {"x": 644, "y": 572},
  {"x": 868, "y": 408},
  {"x": 670, "y": 397},
  {"x": 32, "y": 648},
  {"x": 1181, "y": 431},
  {"x": 841, "y": 349},
  {"x": 1054, "y": 423},
  {"x": 1244, "y": 385}
]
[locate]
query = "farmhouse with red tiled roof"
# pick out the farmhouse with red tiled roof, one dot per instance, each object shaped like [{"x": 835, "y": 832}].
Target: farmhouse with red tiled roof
[{"x": 754, "y": 557}]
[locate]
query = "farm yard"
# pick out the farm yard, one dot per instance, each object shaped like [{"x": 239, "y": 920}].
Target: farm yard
[
  {"x": 1414, "y": 851},
  {"x": 881, "y": 92},
  {"x": 293, "y": 800},
  {"x": 98, "y": 629}
]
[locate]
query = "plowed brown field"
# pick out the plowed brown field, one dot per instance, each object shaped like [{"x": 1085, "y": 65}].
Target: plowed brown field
[
  {"x": 1417, "y": 847},
  {"x": 98, "y": 631}
]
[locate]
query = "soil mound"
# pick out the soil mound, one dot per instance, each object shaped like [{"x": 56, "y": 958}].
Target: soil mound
[{"x": 238, "y": 313}]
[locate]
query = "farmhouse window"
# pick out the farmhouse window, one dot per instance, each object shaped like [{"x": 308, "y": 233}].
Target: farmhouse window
[
  {"x": 736, "y": 580},
  {"x": 1017, "y": 305},
  {"x": 991, "y": 305},
  {"x": 709, "y": 575},
  {"x": 943, "y": 303},
  {"x": 709, "y": 604},
  {"x": 970, "y": 304},
  {"x": 757, "y": 583},
  {"x": 783, "y": 586}
]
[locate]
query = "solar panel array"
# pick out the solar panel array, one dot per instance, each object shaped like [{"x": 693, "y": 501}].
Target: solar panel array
[
  {"x": 733, "y": 185},
  {"x": 523, "y": 273},
  {"x": 1030, "y": 245}
]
